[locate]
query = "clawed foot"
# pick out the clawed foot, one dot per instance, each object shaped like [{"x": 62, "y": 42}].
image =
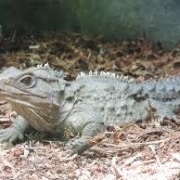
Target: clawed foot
[
  {"x": 77, "y": 146},
  {"x": 10, "y": 134}
]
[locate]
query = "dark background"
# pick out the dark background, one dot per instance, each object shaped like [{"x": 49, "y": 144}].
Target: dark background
[{"x": 157, "y": 20}]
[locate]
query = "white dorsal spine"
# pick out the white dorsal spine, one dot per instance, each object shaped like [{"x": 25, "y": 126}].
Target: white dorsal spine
[
  {"x": 43, "y": 65},
  {"x": 105, "y": 75}
]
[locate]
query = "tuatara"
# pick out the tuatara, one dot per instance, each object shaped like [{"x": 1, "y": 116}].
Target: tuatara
[{"x": 44, "y": 100}]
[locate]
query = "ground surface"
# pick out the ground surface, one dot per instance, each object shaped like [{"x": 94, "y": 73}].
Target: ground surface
[{"x": 135, "y": 151}]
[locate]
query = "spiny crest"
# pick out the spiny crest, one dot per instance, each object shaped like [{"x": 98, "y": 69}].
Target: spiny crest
[
  {"x": 43, "y": 66},
  {"x": 164, "y": 80},
  {"x": 104, "y": 75},
  {"x": 57, "y": 74}
]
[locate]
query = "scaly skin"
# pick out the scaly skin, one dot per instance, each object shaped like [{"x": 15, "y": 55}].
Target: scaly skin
[{"x": 48, "y": 103}]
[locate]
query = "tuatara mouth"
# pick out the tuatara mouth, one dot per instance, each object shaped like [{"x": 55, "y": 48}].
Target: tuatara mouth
[{"x": 41, "y": 112}]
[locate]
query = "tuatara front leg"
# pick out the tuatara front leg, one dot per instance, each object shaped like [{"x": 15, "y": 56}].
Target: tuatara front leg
[
  {"x": 15, "y": 131},
  {"x": 86, "y": 140},
  {"x": 86, "y": 125}
]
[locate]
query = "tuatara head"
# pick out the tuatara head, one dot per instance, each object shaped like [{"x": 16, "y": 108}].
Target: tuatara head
[{"x": 34, "y": 94}]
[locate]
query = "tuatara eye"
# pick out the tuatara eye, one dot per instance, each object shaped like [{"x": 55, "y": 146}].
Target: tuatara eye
[{"x": 28, "y": 80}]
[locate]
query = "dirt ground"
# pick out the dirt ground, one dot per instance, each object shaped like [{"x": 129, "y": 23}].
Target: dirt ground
[{"x": 147, "y": 150}]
